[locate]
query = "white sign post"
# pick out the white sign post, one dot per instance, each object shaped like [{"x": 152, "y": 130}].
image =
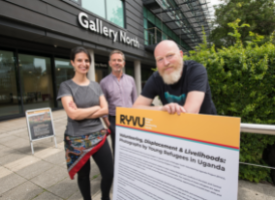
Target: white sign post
[{"x": 40, "y": 125}]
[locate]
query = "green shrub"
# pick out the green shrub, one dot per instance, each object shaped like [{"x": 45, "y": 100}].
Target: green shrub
[{"x": 242, "y": 82}]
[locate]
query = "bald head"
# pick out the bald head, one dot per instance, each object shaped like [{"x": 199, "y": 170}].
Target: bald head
[
  {"x": 169, "y": 61},
  {"x": 164, "y": 45}
]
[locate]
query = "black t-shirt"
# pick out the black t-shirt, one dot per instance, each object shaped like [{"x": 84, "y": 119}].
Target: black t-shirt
[{"x": 194, "y": 78}]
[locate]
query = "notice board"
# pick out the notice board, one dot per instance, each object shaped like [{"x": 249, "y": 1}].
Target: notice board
[
  {"x": 163, "y": 156},
  {"x": 40, "y": 124}
]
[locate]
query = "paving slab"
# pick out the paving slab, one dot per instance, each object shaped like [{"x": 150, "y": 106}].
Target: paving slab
[
  {"x": 9, "y": 180},
  {"x": 45, "y": 153},
  {"x": 4, "y": 150},
  {"x": 58, "y": 158},
  {"x": 24, "y": 191},
  {"x": 257, "y": 191},
  {"x": 47, "y": 196},
  {"x": 6, "y": 138},
  {"x": 50, "y": 177},
  {"x": 24, "y": 134},
  {"x": 64, "y": 188},
  {"x": 76, "y": 196},
  {"x": 32, "y": 171},
  {"x": 11, "y": 157}
]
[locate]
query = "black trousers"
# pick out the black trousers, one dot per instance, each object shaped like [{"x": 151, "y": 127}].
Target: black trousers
[
  {"x": 112, "y": 120},
  {"x": 104, "y": 161}
]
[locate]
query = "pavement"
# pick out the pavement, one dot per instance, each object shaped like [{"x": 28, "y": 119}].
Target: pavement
[{"x": 44, "y": 176}]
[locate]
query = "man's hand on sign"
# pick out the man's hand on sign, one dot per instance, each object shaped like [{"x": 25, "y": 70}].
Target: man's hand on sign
[{"x": 173, "y": 108}]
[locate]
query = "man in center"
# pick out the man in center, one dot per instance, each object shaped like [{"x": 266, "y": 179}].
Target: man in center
[
  {"x": 181, "y": 86},
  {"x": 119, "y": 90}
]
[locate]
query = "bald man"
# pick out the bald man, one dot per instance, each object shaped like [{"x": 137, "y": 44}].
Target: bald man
[{"x": 181, "y": 86}]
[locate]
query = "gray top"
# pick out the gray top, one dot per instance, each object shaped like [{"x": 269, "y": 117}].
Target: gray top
[
  {"x": 84, "y": 97},
  {"x": 122, "y": 93}
]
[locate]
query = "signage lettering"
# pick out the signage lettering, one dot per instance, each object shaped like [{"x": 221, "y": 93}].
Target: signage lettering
[{"x": 98, "y": 27}]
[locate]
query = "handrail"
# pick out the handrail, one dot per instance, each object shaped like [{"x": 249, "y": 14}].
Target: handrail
[{"x": 258, "y": 128}]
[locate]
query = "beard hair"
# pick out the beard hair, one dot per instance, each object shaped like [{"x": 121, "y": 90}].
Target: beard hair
[{"x": 173, "y": 77}]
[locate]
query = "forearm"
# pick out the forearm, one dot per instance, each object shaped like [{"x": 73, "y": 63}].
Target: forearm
[
  {"x": 99, "y": 113},
  {"x": 83, "y": 113},
  {"x": 192, "y": 110},
  {"x": 148, "y": 107}
]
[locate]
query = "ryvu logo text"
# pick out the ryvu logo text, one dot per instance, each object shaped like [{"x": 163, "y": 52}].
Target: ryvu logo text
[{"x": 134, "y": 120}]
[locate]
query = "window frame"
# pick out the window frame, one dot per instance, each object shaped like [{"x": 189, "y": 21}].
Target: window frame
[{"x": 78, "y": 3}]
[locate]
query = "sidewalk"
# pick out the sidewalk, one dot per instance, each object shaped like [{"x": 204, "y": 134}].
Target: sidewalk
[{"x": 44, "y": 176}]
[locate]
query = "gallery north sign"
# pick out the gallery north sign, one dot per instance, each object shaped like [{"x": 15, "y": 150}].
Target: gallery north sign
[{"x": 98, "y": 27}]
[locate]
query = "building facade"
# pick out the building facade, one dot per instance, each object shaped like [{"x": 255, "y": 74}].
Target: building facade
[{"x": 36, "y": 37}]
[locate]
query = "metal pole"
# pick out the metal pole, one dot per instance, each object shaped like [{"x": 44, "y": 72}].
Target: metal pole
[
  {"x": 156, "y": 36},
  {"x": 258, "y": 128}
]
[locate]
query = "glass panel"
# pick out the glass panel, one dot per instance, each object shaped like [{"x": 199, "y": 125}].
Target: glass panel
[
  {"x": 77, "y": 1},
  {"x": 95, "y": 6},
  {"x": 36, "y": 81},
  {"x": 63, "y": 71},
  {"x": 159, "y": 24},
  {"x": 145, "y": 26},
  {"x": 130, "y": 69},
  {"x": 115, "y": 12},
  {"x": 151, "y": 17},
  {"x": 9, "y": 95},
  {"x": 144, "y": 12},
  {"x": 146, "y": 72},
  {"x": 101, "y": 70}
]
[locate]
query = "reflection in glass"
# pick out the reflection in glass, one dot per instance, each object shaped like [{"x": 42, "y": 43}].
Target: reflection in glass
[
  {"x": 95, "y": 6},
  {"x": 36, "y": 81},
  {"x": 115, "y": 12},
  {"x": 9, "y": 98},
  {"x": 63, "y": 71},
  {"x": 130, "y": 69}
]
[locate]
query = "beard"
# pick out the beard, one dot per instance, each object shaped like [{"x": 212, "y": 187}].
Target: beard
[{"x": 173, "y": 77}]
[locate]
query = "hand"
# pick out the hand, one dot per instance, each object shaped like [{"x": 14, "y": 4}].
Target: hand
[
  {"x": 173, "y": 108},
  {"x": 107, "y": 122},
  {"x": 72, "y": 105}
]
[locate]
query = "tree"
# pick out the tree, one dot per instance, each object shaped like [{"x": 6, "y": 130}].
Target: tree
[{"x": 259, "y": 14}]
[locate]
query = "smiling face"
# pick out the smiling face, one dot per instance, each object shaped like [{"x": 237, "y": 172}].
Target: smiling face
[
  {"x": 81, "y": 63},
  {"x": 116, "y": 62},
  {"x": 169, "y": 61}
]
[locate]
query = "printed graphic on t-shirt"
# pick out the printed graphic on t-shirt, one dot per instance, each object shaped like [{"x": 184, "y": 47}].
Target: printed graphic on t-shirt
[{"x": 175, "y": 99}]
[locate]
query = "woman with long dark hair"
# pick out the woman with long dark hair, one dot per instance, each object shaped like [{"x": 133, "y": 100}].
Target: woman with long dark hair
[{"x": 85, "y": 136}]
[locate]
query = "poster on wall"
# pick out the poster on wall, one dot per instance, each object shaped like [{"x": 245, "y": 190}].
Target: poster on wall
[
  {"x": 186, "y": 157},
  {"x": 40, "y": 124}
]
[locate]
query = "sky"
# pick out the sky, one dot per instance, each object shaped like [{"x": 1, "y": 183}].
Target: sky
[{"x": 211, "y": 4}]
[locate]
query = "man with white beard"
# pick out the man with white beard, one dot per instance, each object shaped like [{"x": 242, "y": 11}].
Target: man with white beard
[{"x": 181, "y": 86}]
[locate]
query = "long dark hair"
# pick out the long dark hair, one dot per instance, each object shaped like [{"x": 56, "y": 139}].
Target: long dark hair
[{"x": 77, "y": 50}]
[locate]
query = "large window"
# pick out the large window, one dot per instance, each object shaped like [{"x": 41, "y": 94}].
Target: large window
[
  {"x": 36, "y": 81},
  {"x": 155, "y": 30},
  {"x": 112, "y": 10},
  {"x": 63, "y": 72},
  {"x": 10, "y": 103}
]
